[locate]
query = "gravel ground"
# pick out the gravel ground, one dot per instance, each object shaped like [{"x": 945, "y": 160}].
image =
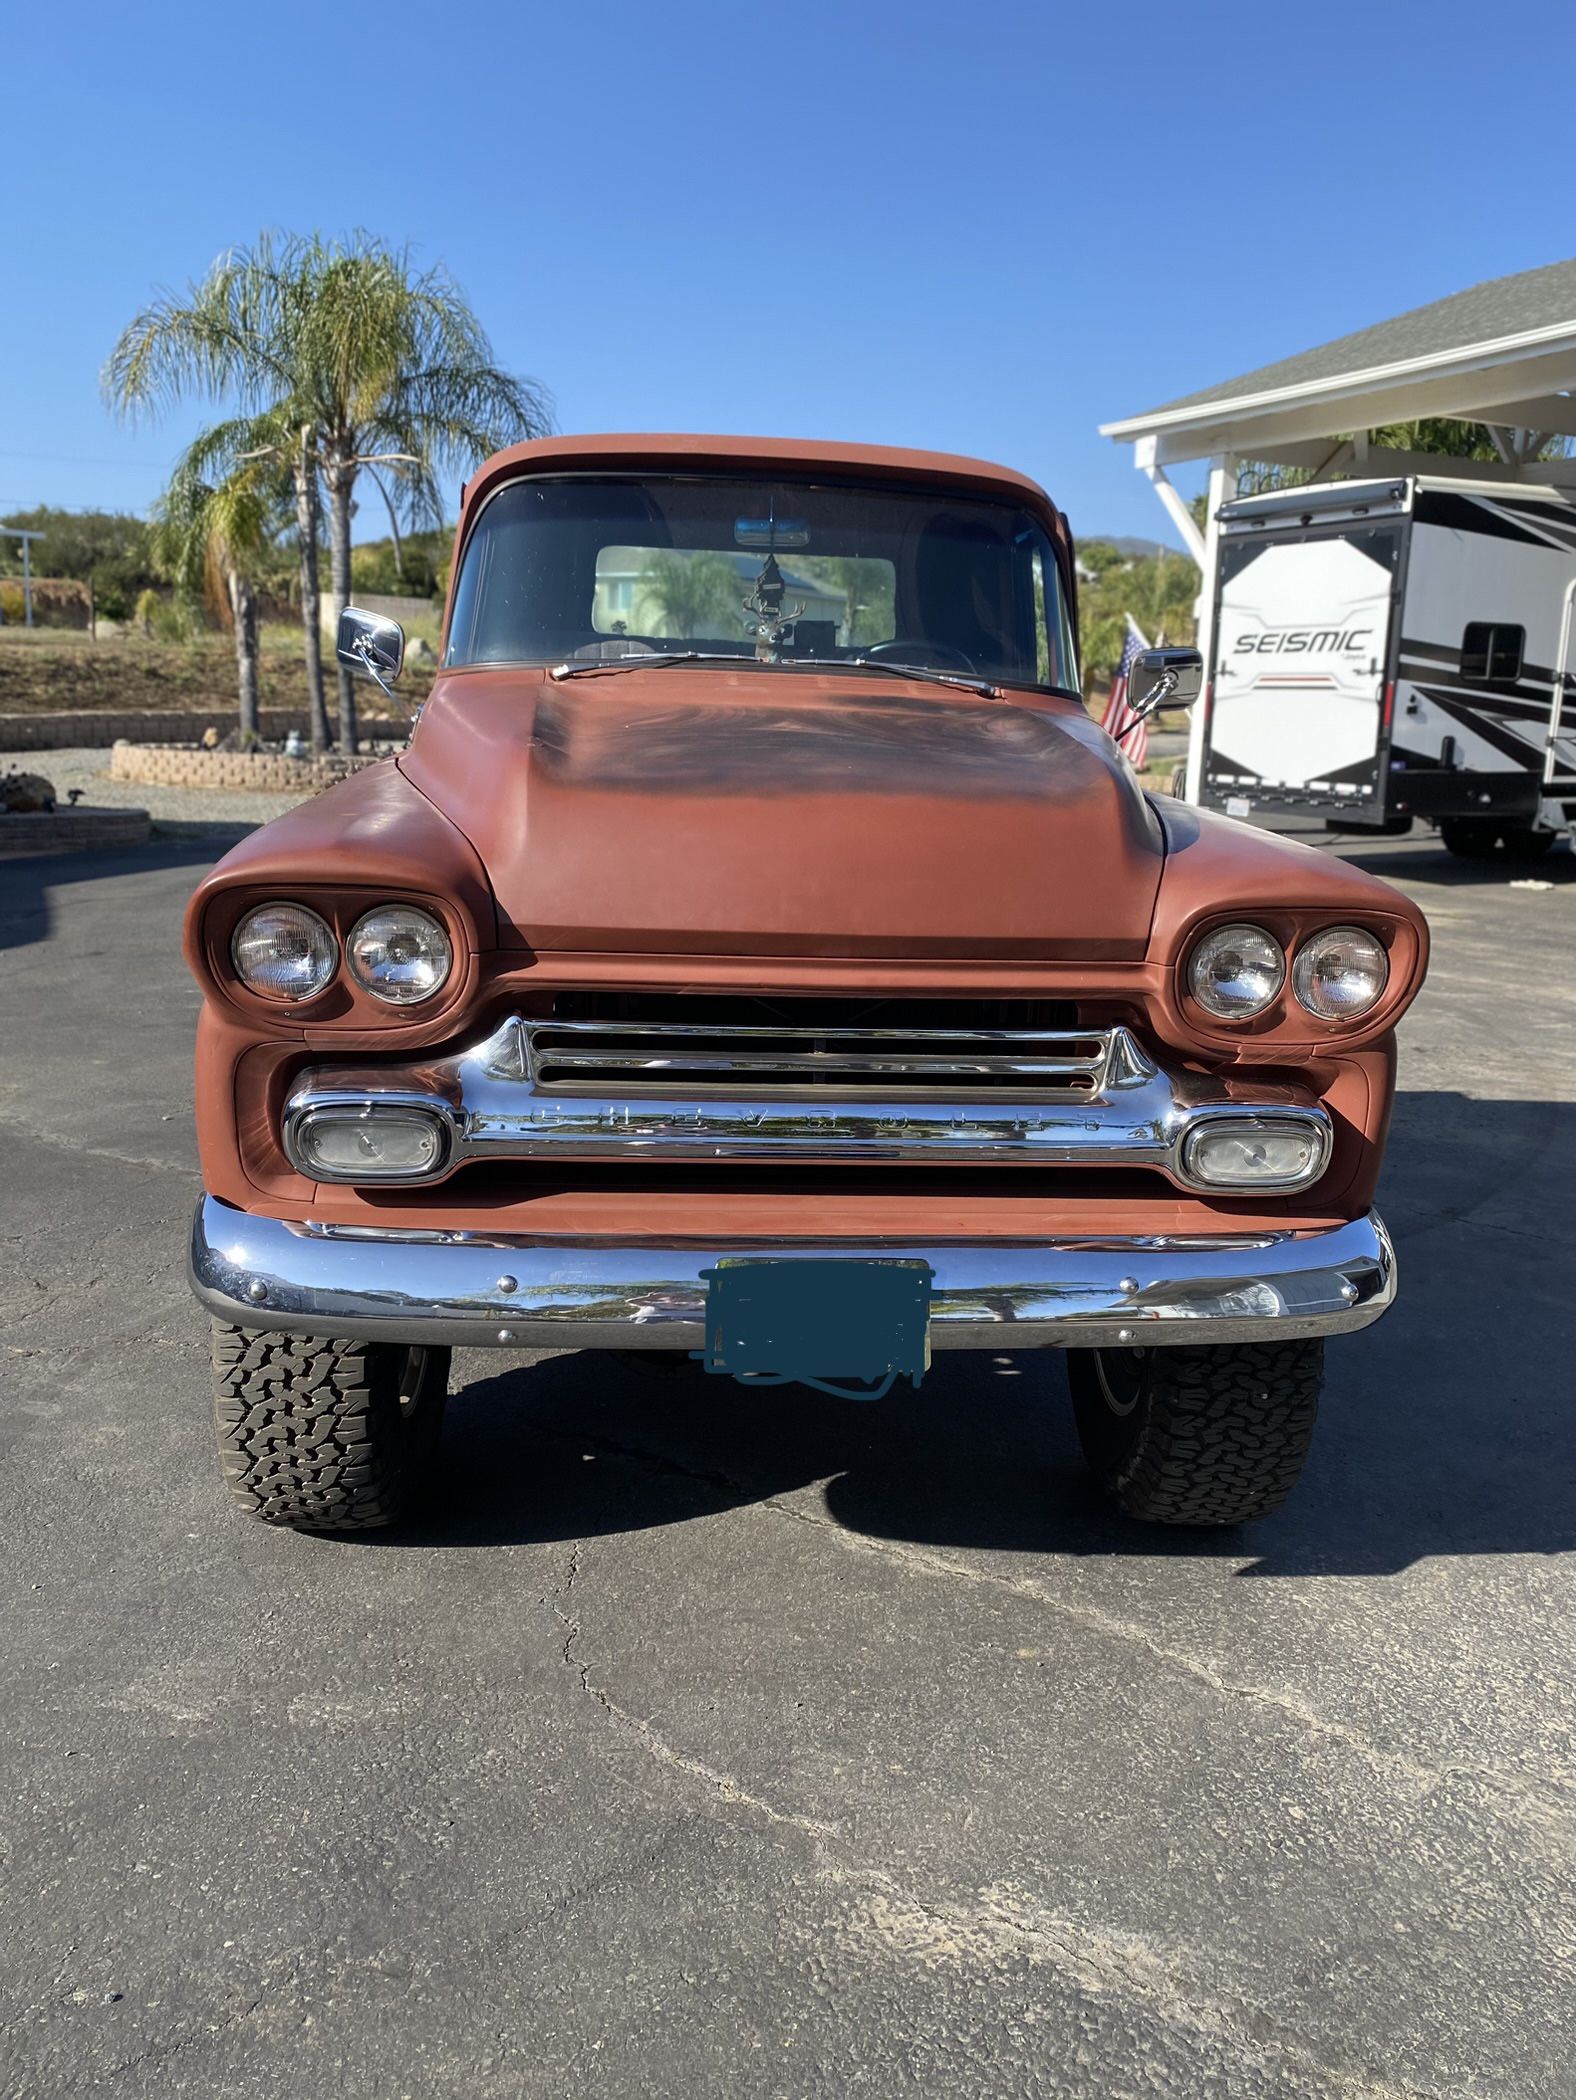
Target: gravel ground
[{"x": 89, "y": 770}]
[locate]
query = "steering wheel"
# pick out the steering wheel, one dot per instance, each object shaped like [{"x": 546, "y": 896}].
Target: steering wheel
[{"x": 927, "y": 656}]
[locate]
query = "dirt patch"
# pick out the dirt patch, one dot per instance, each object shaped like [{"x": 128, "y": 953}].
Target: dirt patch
[{"x": 48, "y": 672}]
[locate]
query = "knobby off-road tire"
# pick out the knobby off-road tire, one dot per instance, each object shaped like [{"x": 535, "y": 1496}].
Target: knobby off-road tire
[
  {"x": 322, "y": 1435},
  {"x": 1198, "y": 1436}
]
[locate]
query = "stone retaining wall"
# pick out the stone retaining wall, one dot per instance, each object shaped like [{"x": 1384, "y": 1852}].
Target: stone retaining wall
[
  {"x": 69, "y": 730},
  {"x": 262, "y": 772}
]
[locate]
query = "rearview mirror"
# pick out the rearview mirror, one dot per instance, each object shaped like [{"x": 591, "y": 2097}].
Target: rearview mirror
[
  {"x": 372, "y": 645},
  {"x": 1164, "y": 678}
]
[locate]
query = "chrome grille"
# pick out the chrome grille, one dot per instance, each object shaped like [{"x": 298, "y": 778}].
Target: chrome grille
[
  {"x": 762, "y": 1091},
  {"x": 630, "y": 1058}
]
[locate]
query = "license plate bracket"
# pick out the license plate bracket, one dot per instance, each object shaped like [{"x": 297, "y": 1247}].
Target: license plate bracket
[{"x": 819, "y": 1321}]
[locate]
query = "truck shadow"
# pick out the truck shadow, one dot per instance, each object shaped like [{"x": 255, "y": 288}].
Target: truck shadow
[
  {"x": 28, "y": 881},
  {"x": 1444, "y": 1430}
]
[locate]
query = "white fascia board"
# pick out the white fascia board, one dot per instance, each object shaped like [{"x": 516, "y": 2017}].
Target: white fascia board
[
  {"x": 1472, "y": 395},
  {"x": 1471, "y": 357}
]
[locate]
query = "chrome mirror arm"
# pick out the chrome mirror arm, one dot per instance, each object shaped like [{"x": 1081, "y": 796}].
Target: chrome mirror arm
[{"x": 364, "y": 657}]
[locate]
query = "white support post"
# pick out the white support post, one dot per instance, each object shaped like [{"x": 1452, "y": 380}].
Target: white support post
[
  {"x": 1204, "y": 548},
  {"x": 1145, "y": 459},
  {"x": 1222, "y": 487}
]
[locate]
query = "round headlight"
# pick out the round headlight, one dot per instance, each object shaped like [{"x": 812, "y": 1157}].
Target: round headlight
[
  {"x": 284, "y": 951},
  {"x": 399, "y": 954},
  {"x": 1340, "y": 973},
  {"x": 1237, "y": 971}
]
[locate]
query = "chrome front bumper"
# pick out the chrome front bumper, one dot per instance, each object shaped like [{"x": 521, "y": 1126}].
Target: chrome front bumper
[{"x": 479, "y": 1289}]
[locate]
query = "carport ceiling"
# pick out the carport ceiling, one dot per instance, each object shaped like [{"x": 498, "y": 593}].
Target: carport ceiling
[{"x": 1501, "y": 353}]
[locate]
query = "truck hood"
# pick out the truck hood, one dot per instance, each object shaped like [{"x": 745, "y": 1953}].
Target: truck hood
[{"x": 728, "y": 812}]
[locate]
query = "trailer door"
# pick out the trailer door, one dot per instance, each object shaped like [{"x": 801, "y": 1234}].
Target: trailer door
[{"x": 1302, "y": 649}]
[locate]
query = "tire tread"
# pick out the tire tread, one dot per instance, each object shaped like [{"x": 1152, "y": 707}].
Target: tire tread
[
  {"x": 1221, "y": 1434},
  {"x": 308, "y": 1438}
]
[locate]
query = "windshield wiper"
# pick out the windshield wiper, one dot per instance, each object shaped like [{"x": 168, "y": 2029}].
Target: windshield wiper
[
  {"x": 925, "y": 671},
  {"x": 653, "y": 660},
  {"x": 659, "y": 659}
]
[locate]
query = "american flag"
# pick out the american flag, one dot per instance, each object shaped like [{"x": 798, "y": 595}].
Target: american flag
[{"x": 1119, "y": 717}]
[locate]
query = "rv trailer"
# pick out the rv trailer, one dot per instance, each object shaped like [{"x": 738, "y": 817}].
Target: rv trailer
[{"x": 1390, "y": 650}]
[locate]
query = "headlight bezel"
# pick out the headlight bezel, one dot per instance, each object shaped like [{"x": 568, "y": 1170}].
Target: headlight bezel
[
  {"x": 1304, "y": 963},
  {"x": 389, "y": 994},
  {"x": 1287, "y": 1017},
  {"x": 285, "y": 997},
  {"x": 342, "y": 1004}
]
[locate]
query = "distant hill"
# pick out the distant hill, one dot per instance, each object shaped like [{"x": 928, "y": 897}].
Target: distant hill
[{"x": 1134, "y": 550}]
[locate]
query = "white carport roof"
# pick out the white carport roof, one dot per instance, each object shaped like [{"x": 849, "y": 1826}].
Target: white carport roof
[{"x": 1501, "y": 353}]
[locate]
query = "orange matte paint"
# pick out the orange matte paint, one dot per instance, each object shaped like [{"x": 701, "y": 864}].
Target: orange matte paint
[{"x": 786, "y": 831}]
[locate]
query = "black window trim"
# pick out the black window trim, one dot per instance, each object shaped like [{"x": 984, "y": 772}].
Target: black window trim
[{"x": 1486, "y": 654}]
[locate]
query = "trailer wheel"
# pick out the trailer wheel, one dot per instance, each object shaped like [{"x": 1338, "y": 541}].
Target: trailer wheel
[
  {"x": 1186, "y": 1435},
  {"x": 1178, "y": 785},
  {"x": 1522, "y": 842},
  {"x": 1469, "y": 838}
]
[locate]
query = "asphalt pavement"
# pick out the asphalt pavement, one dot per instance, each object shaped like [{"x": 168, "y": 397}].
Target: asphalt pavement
[{"x": 699, "y": 1742}]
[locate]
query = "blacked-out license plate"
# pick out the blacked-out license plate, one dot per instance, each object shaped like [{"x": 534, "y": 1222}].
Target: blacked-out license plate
[{"x": 828, "y": 1322}]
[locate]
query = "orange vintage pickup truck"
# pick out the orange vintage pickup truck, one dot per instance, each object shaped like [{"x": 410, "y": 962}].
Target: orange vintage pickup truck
[{"x": 758, "y": 952}]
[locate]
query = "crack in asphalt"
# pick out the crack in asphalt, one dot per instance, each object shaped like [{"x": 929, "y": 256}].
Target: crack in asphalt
[
  {"x": 1548, "y": 1798},
  {"x": 161, "y": 2051},
  {"x": 996, "y": 1923}
]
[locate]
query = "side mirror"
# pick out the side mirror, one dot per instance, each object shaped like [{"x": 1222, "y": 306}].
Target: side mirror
[
  {"x": 1164, "y": 678},
  {"x": 374, "y": 646}
]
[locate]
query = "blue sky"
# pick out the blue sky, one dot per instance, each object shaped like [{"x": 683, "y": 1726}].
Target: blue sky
[{"x": 983, "y": 227}]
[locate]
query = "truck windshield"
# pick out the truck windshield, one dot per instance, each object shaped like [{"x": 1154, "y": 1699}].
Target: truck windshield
[{"x": 589, "y": 568}]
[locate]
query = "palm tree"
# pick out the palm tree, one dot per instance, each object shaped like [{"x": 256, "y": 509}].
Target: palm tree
[
  {"x": 216, "y": 537},
  {"x": 344, "y": 360},
  {"x": 222, "y": 337},
  {"x": 683, "y": 595}
]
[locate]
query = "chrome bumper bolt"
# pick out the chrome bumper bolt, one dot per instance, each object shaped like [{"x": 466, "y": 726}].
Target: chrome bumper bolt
[
  {"x": 257, "y": 1290},
  {"x": 506, "y": 1284}
]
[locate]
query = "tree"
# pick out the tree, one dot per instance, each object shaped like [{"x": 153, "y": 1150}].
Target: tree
[
  {"x": 1099, "y": 555},
  {"x": 1157, "y": 590},
  {"x": 343, "y": 359},
  {"x": 224, "y": 337},
  {"x": 681, "y": 595},
  {"x": 410, "y": 565},
  {"x": 866, "y": 588},
  {"x": 1443, "y": 435},
  {"x": 107, "y": 549},
  {"x": 216, "y": 538}
]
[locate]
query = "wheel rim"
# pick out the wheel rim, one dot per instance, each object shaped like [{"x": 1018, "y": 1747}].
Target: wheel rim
[
  {"x": 1119, "y": 1374},
  {"x": 412, "y": 1376}
]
